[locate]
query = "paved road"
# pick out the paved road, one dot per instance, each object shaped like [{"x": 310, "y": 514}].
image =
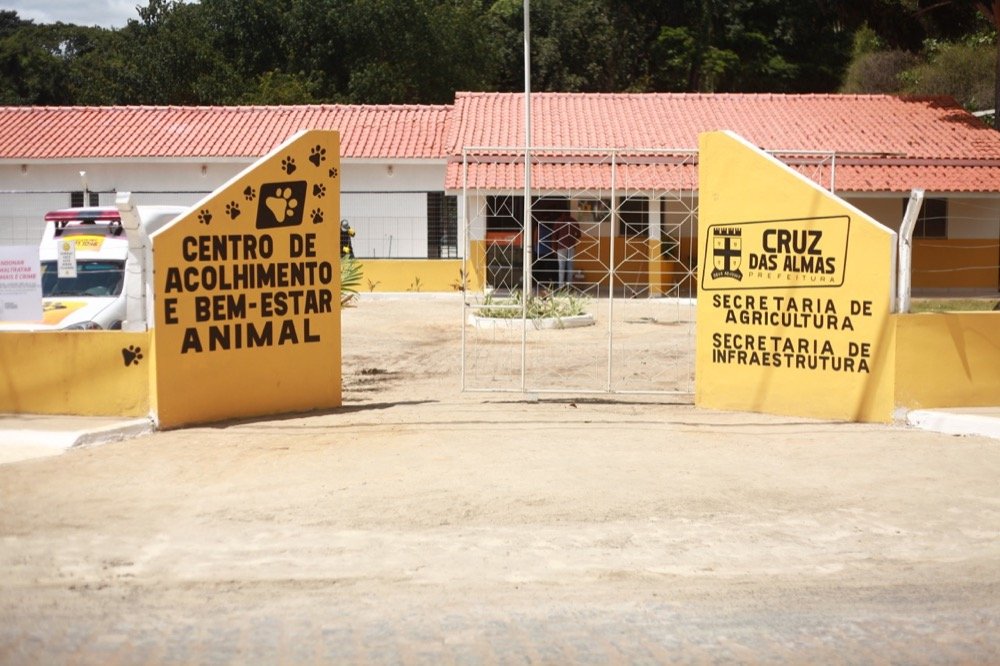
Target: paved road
[
  {"x": 330, "y": 622},
  {"x": 418, "y": 525}
]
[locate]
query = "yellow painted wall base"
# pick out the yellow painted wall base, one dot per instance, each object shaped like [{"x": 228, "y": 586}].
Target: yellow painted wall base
[
  {"x": 415, "y": 275},
  {"x": 87, "y": 373},
  {"x": 948, "y": 360}
]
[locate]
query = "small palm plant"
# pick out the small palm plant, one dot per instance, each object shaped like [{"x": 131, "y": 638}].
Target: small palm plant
[{"x": 350, "y": 280}]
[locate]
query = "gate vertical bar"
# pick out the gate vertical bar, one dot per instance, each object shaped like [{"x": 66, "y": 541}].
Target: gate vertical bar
[
  {"x": 611, "y": 267},
  {"x": 465, "y": 256},
  {"x": 528, "y": 231}
]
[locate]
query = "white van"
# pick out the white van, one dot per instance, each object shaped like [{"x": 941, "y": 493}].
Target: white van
[{"x": 95, "y": 299}]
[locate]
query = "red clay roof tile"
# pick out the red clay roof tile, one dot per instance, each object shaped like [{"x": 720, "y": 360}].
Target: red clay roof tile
[
  {"x": 927, "y": 142},
  {"x": 898, "y": 143},
  {"x": 401, "y": 131}
]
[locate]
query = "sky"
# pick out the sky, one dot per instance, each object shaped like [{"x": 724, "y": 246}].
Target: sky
[{"x": 103, "y": 13}]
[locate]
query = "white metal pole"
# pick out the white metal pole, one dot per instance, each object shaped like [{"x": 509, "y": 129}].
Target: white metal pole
[
  {"x": 528, "y": 233},
  {"x": 905, "y": 241},
  {"x": 613, "y": 236},
  {"x": 137, "y": 267},
  {"x": 465, "y": 254}
]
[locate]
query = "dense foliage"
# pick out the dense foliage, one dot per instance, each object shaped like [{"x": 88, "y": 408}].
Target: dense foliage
[{"x": 422, "y": 51}]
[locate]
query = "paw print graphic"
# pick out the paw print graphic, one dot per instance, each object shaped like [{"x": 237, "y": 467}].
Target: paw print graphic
[
  {"x": 288, "y": 164},
  {"x": 333, "y": 172},
  {"x": 249, "y": 193},
  {"x": 318, "y": 155},
  {"x": 205, "y": 216},
  {"x": 233, "y": 209},
  {"x": 319, "y": 190},
  {"x": 282, "y": 205},
  {"x": 131, "y": 355},
  {"x": 317, "y": 216}
]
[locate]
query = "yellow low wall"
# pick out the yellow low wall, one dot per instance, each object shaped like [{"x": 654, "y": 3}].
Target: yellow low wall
[
  {"x": 948, "y": 360},
  {"x": 88, "y": 373},
  {"x": 415, "y": 275}
]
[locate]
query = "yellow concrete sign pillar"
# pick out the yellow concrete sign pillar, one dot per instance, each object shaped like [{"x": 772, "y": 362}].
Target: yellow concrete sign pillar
[
  {"x": 247, "y": 292},
  {"x": 794, "y": 311}
]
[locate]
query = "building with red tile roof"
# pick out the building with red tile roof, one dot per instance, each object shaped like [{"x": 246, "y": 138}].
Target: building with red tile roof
[
  {"x": 410, "y": 172},
  {"x": 636, "y": 154},
  {"x": 391, "y": 156},
  {"x": 880, "y": 143}
]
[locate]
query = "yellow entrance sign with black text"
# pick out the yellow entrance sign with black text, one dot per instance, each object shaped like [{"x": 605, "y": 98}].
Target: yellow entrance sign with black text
[
  {"x": 795, "y": 292},
  {"x": 776, "y": 254},
  {"x": 247, "y": 292}
]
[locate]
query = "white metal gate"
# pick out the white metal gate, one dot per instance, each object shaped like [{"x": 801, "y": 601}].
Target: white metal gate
[{"x": 634, "y": 273}]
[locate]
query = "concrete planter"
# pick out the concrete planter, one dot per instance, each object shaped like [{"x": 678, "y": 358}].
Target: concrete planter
[{"x": 539, "y": 324}]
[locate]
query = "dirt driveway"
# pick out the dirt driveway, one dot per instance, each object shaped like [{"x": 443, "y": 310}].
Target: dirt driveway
[{"x": 419, "y": 524}]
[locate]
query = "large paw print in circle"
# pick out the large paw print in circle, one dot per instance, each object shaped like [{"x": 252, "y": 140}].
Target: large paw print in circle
[
  {"x": 288, "y": 164},
  {"x": 281, "y": 205}
]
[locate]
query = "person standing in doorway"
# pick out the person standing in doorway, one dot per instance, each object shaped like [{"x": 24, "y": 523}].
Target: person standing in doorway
[{"x": 565, "y": 234}]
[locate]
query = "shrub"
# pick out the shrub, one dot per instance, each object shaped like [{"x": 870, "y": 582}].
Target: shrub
[{"x": 554, "y": 305}]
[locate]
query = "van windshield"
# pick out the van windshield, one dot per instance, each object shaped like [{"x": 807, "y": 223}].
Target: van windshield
[{"x": 93, "y": 278}]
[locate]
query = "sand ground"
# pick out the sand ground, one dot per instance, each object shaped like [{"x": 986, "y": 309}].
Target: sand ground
[{"x": 421, "y": 524}]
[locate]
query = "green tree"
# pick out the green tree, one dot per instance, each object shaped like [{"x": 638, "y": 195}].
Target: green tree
[
  {"x": 250, "y": 35},
  {"x": 576, "y": 46},
  {"x": 37, "y": 62},
  {"x": 684, "y": 62},
  {"x": 278, "y": 88},
  {"x": 732, "y": 45},
  {"x": 950, "y": 36},
  {"x": 408, "y": 51},
  {"x": 315, "y": 50},
  {"x": 572, "y": 45},
  {"x": 422, "y": 51},
  {"x": 875, "y": 69},
  {"x": 171, "y": 59},
  {"x": 964, "y": 71},
  {"x": 990, "y": 9}
]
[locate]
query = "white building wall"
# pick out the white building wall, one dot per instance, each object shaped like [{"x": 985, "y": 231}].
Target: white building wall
[
  {"x": 886, "y": 210},
  {"x": 386, "y": 205},
  {"x": 27, "y": 192},
  {"x": 974, "y": 217},
  {"x": 969, "y": 216},
  {"x": 386, "y": 202}
]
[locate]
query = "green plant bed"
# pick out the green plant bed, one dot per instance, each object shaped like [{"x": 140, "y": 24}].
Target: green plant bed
[
  {"x": 953, "y": 304},
  {"x": 559, "y": 309}
]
